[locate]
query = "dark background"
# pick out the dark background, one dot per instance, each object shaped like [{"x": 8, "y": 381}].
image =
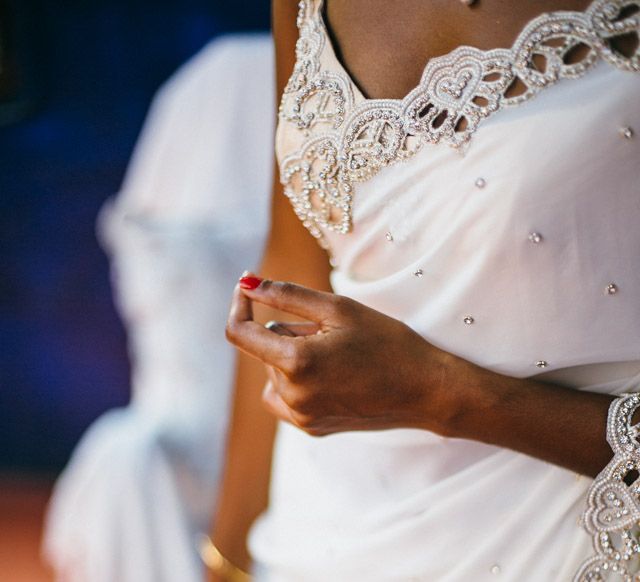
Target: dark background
[{"x": 77, "y": 77}]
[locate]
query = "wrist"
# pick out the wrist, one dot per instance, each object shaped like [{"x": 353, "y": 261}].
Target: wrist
[{"x": 465, "y": 396}]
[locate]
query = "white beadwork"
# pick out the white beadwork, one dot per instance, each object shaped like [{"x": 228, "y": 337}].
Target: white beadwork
[
  {"x": 456, "y": 92},
  {"x": 321, "y": 100},
  {"x": 323, "y": 197},
  {"x": 612, "y": 516},
  {"x": 308, "y": 48}
]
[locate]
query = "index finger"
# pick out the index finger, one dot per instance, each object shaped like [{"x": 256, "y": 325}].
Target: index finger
[{"x": 313, "y": 305}]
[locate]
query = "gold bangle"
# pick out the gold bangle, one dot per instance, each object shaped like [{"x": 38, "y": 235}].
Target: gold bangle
[{"x": 218, "y": 564}]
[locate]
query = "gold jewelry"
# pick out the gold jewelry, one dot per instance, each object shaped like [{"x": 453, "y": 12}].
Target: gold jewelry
[{"x": 218, "y": 564}]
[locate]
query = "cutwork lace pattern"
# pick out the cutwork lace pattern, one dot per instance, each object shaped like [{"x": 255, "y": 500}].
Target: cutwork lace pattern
[
  {"x": 346, "y": 143},
  {"x": 612, "y": 516}
]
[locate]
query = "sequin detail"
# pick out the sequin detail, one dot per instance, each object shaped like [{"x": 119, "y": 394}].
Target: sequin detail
[
  {"x": 612, "y": 516},
  {"x": 457, "y": 91}
]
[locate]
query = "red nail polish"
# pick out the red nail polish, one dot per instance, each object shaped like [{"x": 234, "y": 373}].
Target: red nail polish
[{"x": 249, "y": 282}]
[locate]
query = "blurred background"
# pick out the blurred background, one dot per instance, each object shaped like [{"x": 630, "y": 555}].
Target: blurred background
[{"x": 76, "y": 79}]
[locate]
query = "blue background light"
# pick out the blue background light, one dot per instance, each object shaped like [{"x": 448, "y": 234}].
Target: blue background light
[{"x": 90, "y": 69}]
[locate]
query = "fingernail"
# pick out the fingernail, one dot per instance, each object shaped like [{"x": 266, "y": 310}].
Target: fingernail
[{"x": 249, "y": 282}]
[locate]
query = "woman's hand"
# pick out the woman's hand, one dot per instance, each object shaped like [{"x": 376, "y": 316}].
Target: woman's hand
[
  {"x": 349, "y": 368},
  {"x": 353, "y": 368}
]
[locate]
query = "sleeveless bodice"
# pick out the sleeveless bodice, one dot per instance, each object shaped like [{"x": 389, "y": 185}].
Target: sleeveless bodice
[{"x": 520, "y": 219}]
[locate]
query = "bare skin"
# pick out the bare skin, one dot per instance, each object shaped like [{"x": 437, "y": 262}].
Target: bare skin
[{"x": 384, "y": 46}]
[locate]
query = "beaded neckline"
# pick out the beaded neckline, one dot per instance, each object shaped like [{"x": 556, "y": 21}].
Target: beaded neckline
[{"x": 345, "y": 139}]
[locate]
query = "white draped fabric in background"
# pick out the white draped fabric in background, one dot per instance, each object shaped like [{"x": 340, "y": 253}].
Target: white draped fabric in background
[{"x": 192, "y": 214}]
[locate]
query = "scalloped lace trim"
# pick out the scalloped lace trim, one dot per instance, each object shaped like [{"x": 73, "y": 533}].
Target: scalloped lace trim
[
  {"x": 612, "y": 515},
  {"x": 348, "y": 143}
]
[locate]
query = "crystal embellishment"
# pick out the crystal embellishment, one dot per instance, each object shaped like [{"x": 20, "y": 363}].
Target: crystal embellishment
[
  {"x": 542, "y": 364},
  {"x": 481, "y": 183},
  {"x": 611, "y": 289},
  {"x": 468, "y": 320},
  {"x": 612, "y": 515},
  {"x": 456, "y": 93},
  {"x": 535, "y": 238},
  {"x": 626, "y": 132},
  {"x": 418, "y": 273}
]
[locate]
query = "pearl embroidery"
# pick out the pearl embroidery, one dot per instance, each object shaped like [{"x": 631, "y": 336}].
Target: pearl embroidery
[
  {"x": 481, "y": 183},
  {"x": 389, "y": 236},
  {"x": 495, "y": 569},
  {"x": 457, "y": 91}
]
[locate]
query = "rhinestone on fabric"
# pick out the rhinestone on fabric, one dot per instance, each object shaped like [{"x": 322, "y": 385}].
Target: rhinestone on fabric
[
  {"x": 388, "y": 236},
  {"x": 611, "y": 289},
  {"x": 626, "y": 132},
  {"x": 321, "y": 100},
  {"x": 535, "y": 238},
  {"x": 541, "y": 364},
  {"x": 418, "y": 273},
  {"x": 456, "y": 93},
  {"x": 468, "y": 320},
  {"x": 613, "y": 510}
]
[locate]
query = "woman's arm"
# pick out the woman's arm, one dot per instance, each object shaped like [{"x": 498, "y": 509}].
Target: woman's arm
[
  {"x": 290, "y": 254},
  {"x": 366, "y": 371}
]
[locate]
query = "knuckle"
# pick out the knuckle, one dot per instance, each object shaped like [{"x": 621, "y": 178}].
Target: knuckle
[
  {"x": 231, "y": 331},
  {"x": 302, "y": 403},
  {"x": 286, "y": 290},
  {"x": 304, "y": 421},
  {"x": 309, "y": 424},
  {"x": 315, "y": 431},
  {"x": 301, "y": 363},
  {"x": 266, "y": 398},
  {"x": 340, "y": 305}
]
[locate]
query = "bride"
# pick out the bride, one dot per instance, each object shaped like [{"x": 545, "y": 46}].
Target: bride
[{"x": 468, "y": 323}]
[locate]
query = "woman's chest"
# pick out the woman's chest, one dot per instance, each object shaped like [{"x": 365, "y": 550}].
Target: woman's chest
[
  {"x": 385, "y": 45},
  {"x": 332, "y": 140}
]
